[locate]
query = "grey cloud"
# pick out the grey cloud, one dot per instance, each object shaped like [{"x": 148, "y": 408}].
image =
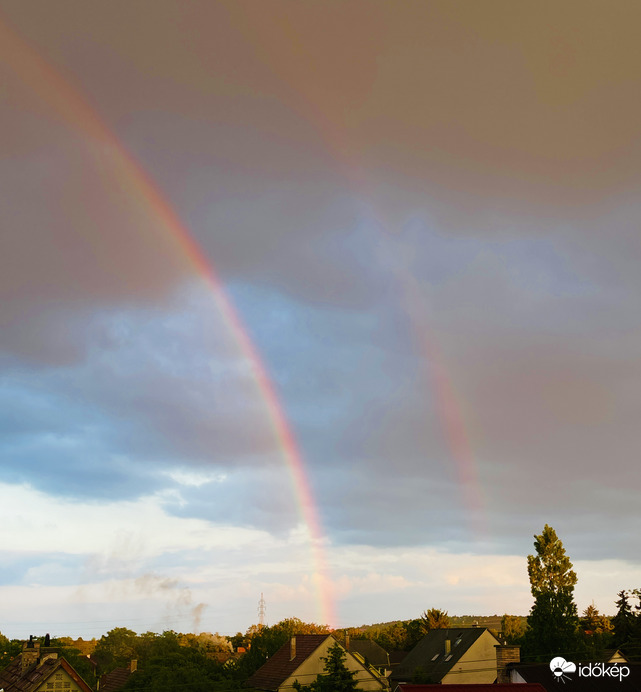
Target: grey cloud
[
  {"x": 262, "y": 498},
  {"x": 393, "y": 191}
]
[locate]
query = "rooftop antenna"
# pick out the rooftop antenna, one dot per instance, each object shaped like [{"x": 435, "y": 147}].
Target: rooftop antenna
[{"x": 261, "y": 611}]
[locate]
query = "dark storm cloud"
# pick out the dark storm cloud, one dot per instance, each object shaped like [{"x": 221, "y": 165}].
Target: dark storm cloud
[
  {"x": 71, "y": 244},
  {"x": 364, "y": 178},
  {"x": 500, "y": 123}
]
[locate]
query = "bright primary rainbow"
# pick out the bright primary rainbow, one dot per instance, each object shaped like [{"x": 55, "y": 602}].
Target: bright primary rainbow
[{"x": 68, "y": 102}]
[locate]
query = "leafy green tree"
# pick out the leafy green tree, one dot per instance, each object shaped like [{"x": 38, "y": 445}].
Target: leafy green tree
[
  {"x": 513, "y": 628},
  {"x": 116, "y": 649},
  {"x": 413, "y": 633},
  {"x": 392, "y": 638},
  {"x": 434, "y": 619},
  {"x": 593, "y": 623},
  {"x": 9, "y": 649},
  {"x": 170, "y": 666},
  {"x": 240, "y": 640},
  {"x": 336, "y": 676},
  {"x": 597, "y": 633},
  {"x": 553, "y": 620},
  {"x": 207, "y": 642}
]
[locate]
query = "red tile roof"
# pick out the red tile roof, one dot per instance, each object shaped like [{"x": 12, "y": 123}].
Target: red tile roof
[
  {"x": 280, "y": 666},
  {"x": 110, "y": 682},
  {"x": 509, "y": 687}
]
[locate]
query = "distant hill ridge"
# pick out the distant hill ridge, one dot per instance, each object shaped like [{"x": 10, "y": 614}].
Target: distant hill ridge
[{"x": 492, "y": 622}]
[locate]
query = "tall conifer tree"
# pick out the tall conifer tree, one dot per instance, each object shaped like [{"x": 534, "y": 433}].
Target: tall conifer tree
[
  {"x": 627, "y": 624},
  {"x": 553, "y": 620}
]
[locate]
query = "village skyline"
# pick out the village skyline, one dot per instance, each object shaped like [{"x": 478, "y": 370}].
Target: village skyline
[{"x": 334, "y": 302}]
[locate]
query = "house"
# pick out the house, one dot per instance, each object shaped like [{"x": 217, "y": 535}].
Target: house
[
  {"x": 369, "y": 653},
  {"x": 612, "y": 656},
  {"x": 40, "y": 669},
  {"x": 117, "y": 678},
  {"x": 587, "y": 677},
  {"x": 301, "y": 658},
  {"x": 396, "y": 657},
  {"x": 449, "y": 656}
]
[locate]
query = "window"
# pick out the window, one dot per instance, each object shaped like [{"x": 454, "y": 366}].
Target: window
[
  {"x": 447, "y": 658},
  {"x": 434, "y": 657}
]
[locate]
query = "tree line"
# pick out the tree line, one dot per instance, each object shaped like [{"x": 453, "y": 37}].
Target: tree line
[{"x": 206, "y": 662}]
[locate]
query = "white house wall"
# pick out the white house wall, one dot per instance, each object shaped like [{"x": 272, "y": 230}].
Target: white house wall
[
  {"x": 477, "y": 665},
  {"x": 314, "y": 665}
]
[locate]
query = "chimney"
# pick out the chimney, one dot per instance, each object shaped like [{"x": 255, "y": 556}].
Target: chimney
[
  {"x": 30, "y": 653},
  {"x": 505, "y": 654},
  {"x": 346, "y": 641},
  {"x": 133, "y": 666},
  {"x": 292, "y": 648},
  {"x": 448, "y": 647}
]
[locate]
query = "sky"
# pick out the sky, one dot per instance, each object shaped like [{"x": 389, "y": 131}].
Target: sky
[{"x": 333, "y": 302}]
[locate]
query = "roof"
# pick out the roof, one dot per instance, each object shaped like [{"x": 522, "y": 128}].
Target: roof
[
  {"x": 279, "y": 667},
  {"x": 541, "y": 673},
  {"x": 609, "y": 654},
  {"x": 429, "y": 653},
  {"x": 115, "y": 680},
  {"x": 396, "y": 657},
  {"x": 374, "y": 654},
  {"x": 14, "y": 679},
  {"x": 511, "y": 687}
]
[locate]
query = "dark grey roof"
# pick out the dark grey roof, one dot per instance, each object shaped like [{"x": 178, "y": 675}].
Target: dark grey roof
[
  {"x": 396, "y": 657},
  {"x": 373, "y": 654},
  {"x": 429, "y": 654}
]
